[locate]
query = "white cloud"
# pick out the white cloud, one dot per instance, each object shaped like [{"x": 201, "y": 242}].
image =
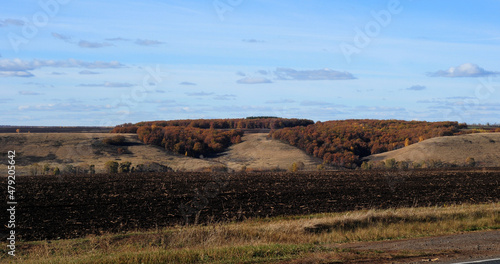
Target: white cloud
[
  {"x": 253, "y": 80},
  {"x": 15, "y": 74},
  {"x": 323, "y": 74},
  {"x": 464, "y": 70}
]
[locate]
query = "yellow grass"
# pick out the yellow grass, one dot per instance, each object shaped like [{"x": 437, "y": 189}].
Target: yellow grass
[{"x": 262, "y": 240}]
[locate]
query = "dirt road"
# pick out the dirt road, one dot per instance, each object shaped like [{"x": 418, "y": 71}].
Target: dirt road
[{"x": 449, "y": 249}]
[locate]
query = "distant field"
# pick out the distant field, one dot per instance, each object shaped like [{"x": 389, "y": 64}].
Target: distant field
[{"x": 54, "y": 129}]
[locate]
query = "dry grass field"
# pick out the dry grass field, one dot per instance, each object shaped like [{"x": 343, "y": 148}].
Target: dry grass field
[
  {"x": 258, "y": 152},
  {"x": 320, "y": 238},
  {"x": 76, "y": 149},
  {"x": 483, "y": 147}
]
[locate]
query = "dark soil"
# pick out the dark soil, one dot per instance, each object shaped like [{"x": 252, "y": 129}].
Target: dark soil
[{"x": 51, "y": 207}]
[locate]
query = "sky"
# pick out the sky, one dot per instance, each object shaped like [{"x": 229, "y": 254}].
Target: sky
[{"x": 104, "y": 63}]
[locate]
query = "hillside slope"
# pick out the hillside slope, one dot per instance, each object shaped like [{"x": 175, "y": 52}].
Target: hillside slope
[
  {"x": 483, "y": 147},
  {"x": 258, "y": 152},
  {"x": 78, "y": 149}
]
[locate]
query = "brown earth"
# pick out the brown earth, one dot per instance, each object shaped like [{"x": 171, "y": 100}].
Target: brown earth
[
  {"x": 483, "y": 147},
  {"x": 61, "y": 149},
  {"x": 447, "y": 249},
  {"x": 69, "y": 206}
]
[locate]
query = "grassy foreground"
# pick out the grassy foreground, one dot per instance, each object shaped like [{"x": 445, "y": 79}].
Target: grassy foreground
[{"x": 298, "y": 239}]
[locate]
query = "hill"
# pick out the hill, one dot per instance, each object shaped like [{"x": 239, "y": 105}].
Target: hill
[
  {"x": 345, "y": 142},
  {"x": 256, "y": 151},
  {"x": 85, "y": 149},
  {"x": 483, "y": 147}
]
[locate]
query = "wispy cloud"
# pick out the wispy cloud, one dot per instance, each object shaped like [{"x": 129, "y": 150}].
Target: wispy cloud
[
  {"x": 416, "y": 88},
  {"x": 21, "y": 68},
  {"x": 87, "y": 72},
  {"x": 117, "y": 39},
  {"x": 281, "y": 101},
  {"x": 253, "y": 80},
  {"x": 323, "y": 74},
  {"x": 464, "y": 70},
  {"x": 61, "y": 37},
  {"x": 225, "y": 97},
  {"x": 29, "y": 93},
  {"x": 11, "y": 22},
  {"x": 148, "y": 42},
  {"x": 252, "y": 40},
  {"x": 93, "y": 45},
  {"x": 187, "y": 83},
  {"x": 15, "y": 74},
  {"x": 66, "y": 107},
  {"x": 107, "y": 84},
  {"x": 263, "y": 72},
  {"x": 379, "y": 109},
  {"x": 240, "y": 73},
  {"x": 314, "y": 103},
  {"x": 199, "y": 94}
]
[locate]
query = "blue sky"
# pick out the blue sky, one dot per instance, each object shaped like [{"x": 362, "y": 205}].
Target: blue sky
[{"x": 73, "y": 62}]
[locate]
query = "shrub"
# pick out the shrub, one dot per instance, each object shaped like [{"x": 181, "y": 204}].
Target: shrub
[
  {"x": 296, "y": 166},
  {"x": 124, "y": 166},
  {"x": 152, "y": 167},
  {"x": 366, "y": 165},
  {"x": 69, "y": 169},
  {"x": 390, "y": 164},
  {"x": 470, "y": 162},
  {"x": 35, "y": 169},
  {"x": 111, "y": 166},
  {"x": 116, "y": 140},
  {"x": 46, "y": 169}
]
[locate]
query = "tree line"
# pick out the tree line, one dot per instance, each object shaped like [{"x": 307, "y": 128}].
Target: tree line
[
  {"x": 344, "y": 143},
  {"x": 202, "y": 137},
  {"x": 247, "y": 123}
]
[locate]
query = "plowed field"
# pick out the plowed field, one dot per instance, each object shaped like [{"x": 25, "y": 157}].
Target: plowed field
[{"x": 51, "y": 207}]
